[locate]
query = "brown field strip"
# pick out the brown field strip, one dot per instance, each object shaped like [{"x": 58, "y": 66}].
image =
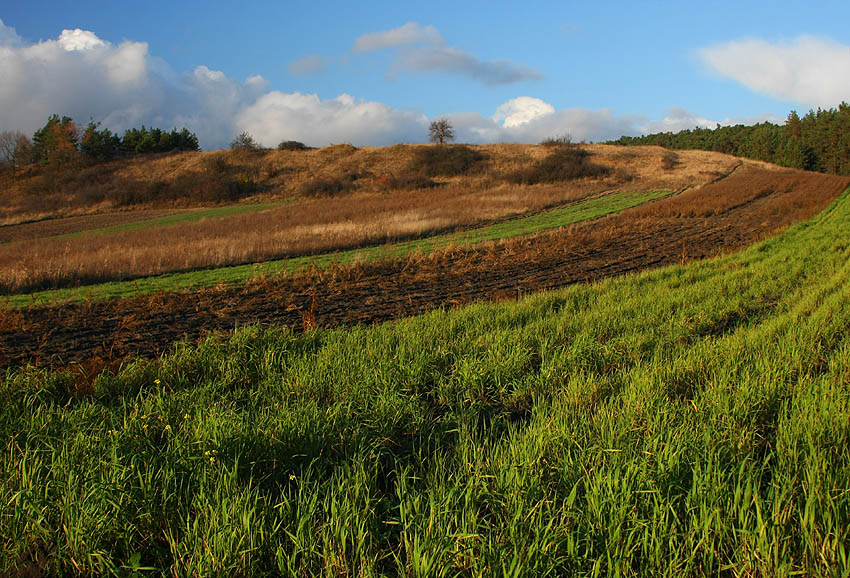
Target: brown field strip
[{"x": 749, "y": 205}]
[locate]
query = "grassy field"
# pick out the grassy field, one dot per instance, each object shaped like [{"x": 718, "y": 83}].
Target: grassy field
[
  {"x": 686, "y": 421},
  {"x": 561, "y": 217}
]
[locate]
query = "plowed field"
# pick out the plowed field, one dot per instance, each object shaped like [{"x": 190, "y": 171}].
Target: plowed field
[{"x": 752, "y": 203}]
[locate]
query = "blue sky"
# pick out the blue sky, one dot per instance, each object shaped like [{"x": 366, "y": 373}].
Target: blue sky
[{"x": 378, "y": 72}]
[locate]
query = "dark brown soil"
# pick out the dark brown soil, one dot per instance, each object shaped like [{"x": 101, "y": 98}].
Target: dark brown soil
[{"x": 751, "y": 204}]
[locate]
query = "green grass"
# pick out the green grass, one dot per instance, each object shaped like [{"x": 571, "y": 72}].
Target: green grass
[
  {"x": 187, "y": 216},
  {"x": 553, "y": 219},
  {"x": 687, "y": 421}
]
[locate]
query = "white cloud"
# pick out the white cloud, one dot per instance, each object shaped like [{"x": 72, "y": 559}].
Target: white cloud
[
  {"x": 423, "y": 50},
  {"x": 447, "y": 59},
  {"x": 279, "y": 116},
  {"x": 257, "y": 83},
  {"x": 531, "y": 120},
  {"x": 78, "y": 39},
  {"x": 307, "y": 65},
  {"x": 410, "y": 33},
  {"x": 521, "y": 110},
  {"x": 83, "y": 76},
  {"x": 751, "y": 120},
  {"x": 78, "y": 74},
  {"x": 677, "y": 119},
  {"x": 8, "y": 35},
  {"x": 807, "y": 70}
]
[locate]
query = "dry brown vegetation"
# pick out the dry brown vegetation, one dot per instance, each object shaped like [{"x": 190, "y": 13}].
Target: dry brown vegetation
[
  {"x": 277, "y": 174},
  {"x": 750, "y": 204},
  {"x": 387, "y": 194}
]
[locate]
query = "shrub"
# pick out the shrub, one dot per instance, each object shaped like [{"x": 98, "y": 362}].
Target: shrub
[
  {"x": 292, "y": 145},
  {"x": 215, "y": 164},
  {"x": 669, "y": 161},
  {"x": 446, "y": 161},
  {"x": 328, "y": 186},
  {"x": 339, "y": 149},
  {"x": 557, "y": 141},
  {"x": 403, "y": 182},
  {"x": 564, "y": 164}
]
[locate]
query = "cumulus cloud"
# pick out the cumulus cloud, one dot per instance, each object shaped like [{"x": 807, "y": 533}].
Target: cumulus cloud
[
  {"x": 8, "y": 35},
  {"x": 751, "y": 120},
  {"x": 521, "y": 110},
  {"x": 410, "y": 33},
  {"x": 279, "y": 116},
  {"x": 83, "y": 76},
  {"x": 808, "y": 70},
  {"x": 78, "y": 39},
  {"x": 531, "y": 120},
  {"x": 307, "y": 65},
  {"x": 423, "y": 50},
  {"x": 677, "y": 119}
]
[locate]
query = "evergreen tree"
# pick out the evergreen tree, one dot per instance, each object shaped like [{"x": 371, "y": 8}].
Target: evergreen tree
[
  {"x": 99, "y": 145},
  {"x": 56, "y": 141},
  {"x": 818, "y": 141}
]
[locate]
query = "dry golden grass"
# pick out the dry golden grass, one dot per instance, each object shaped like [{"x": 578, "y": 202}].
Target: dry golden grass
[{"x": 365, "y": 215}]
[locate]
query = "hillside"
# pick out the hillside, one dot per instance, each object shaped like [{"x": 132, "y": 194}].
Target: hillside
[
  {"x": 314, "y": 202},
  {"x": 510, "y": 220},
  {"x": 189, "y": 179},
  {"x": 686, "y": 421}
]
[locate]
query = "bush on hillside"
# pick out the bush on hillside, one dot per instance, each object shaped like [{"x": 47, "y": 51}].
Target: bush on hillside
[
  {"x": 669, "y": 161},
  {"x": 557, "y": 141},
  {"x": 292, "y": 145},
  {"x": 446, "y": 161},
  {"x": 328, "y": 186},
  {"x": 566, "y": 163},
  {"x": 403, "y": 182}
]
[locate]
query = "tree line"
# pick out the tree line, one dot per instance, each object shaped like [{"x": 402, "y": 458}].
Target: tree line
[
  {"x": 818, "y": 141},
  {"x": 60, "y": 142}
]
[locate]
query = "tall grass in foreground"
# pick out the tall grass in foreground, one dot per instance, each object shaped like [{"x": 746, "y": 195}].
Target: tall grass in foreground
[{"x": 686, "y": 421}]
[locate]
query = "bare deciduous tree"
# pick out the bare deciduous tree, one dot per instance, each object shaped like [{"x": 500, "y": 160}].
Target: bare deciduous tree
[
  {"x": 8, "y": 144},
  {"x": 244, "y": 141},
  {"x": 441, "y": 131},
  {"x": 15, "y": 150}
]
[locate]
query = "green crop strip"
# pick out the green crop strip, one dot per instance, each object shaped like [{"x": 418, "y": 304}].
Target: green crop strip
[
  {"x": 553, "y": 219},
  {"x": 188, "y": 216}
]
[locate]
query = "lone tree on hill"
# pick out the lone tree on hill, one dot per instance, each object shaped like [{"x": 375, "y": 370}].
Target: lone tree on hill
[
  {"x": 244, "y": 141},
  {"x": 441, "y": 131}
]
